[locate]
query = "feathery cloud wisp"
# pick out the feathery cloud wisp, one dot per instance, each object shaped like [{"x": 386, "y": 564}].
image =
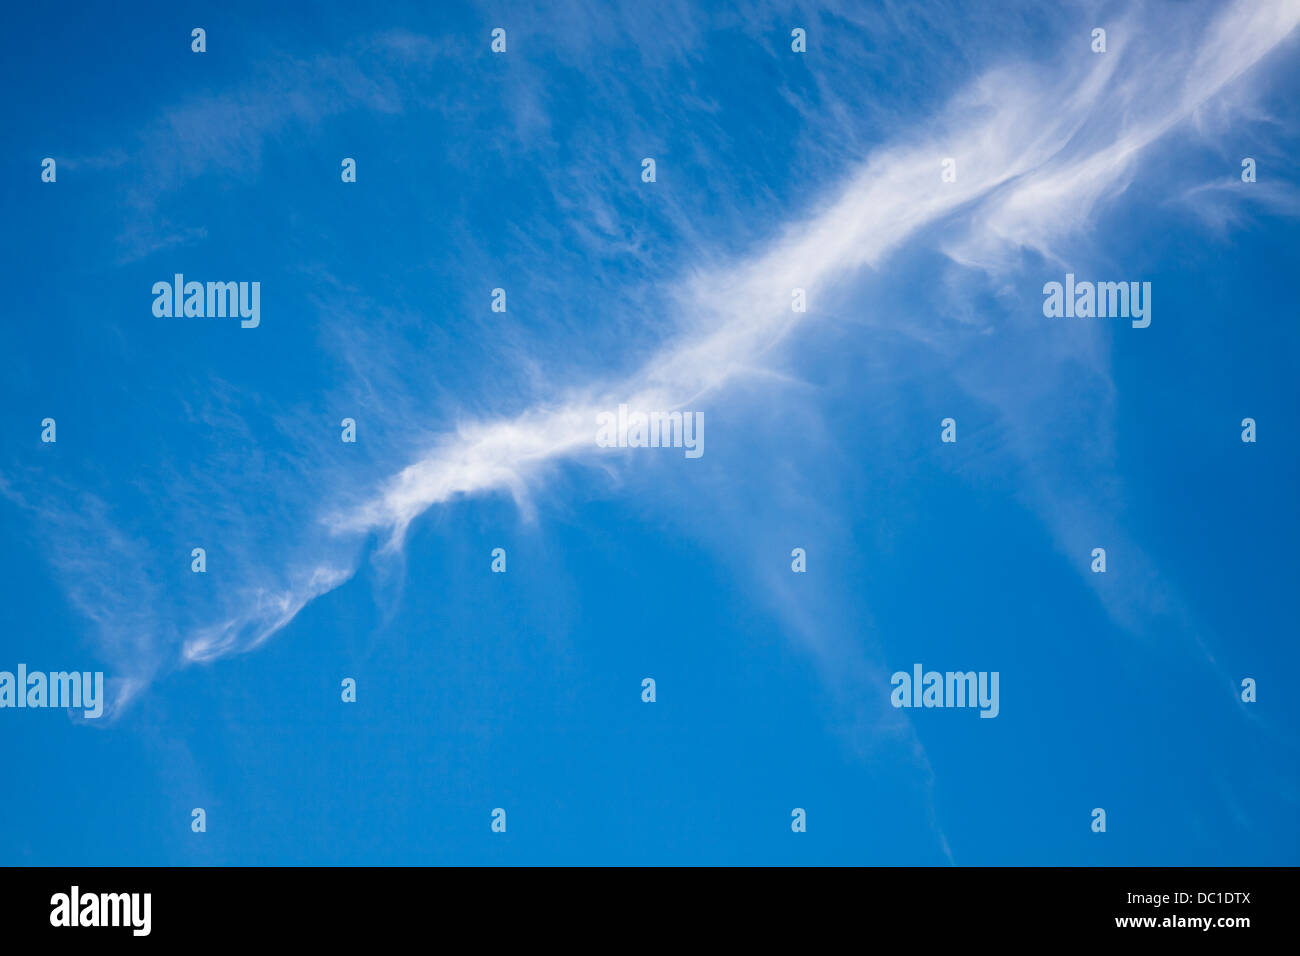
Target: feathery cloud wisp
[{"x": 1035, "y": 157}]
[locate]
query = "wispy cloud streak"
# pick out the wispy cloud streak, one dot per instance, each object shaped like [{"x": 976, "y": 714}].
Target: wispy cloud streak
[{"x": 1035, "y": 156}]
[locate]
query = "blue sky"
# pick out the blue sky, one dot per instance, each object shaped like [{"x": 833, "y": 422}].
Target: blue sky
[{"x": 522, "y": 690}]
